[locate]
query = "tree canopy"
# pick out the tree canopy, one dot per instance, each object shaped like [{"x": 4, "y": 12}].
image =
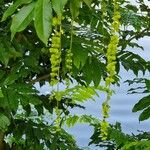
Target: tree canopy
[{"x": 77, "y": 44}]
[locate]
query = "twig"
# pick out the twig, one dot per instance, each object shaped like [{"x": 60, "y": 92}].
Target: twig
[
  {"x": 138, "y": 34},
  {"x": 40, "y": 78}
]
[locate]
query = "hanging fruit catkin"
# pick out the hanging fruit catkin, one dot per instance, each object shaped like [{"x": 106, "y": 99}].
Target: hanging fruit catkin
[
  {"x": 111, "y": 66},
  {"x": 69, "y": 55},
  {"x": 55, "y": 51},
  {"x": 69, "y": 60},
  {"x": 55, "y": 60}
]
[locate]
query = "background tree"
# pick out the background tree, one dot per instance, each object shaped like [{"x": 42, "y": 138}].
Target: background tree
[{"x": 66, "y": 42}]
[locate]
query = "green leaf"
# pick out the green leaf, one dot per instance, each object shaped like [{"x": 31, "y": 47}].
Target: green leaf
[
  {"x": 133, "y": 62},
  {"x": 22, "y": 19},
  {"x": 142, "y": 104},
  {"x": 80, "y": 56},
  {"x": 87, "y": 72},
  {"x": 34, "y": 100},
  {"x": 80, "y": 94},
  {"x": 72, "y": 120},
  {"x": 92, "y": 71},
  {"x": 74, "y": 8},
  {"x": 4, "y": 55},
  {"x": 4, "y": 122},
  {"x": 147, "y": 82},
  {"x": 137, "y": 145},
  {"x": 96, "y": 74},
  {"x": 11, "y": 79},
  {"x": 58, "y": 6},
  {"x": 11, "y": 99},
  {"x": 132, "y": 7},
  {"x": 43, "y": 19},
  {"x": 2, "y": 73},
  {"x": 13, "y": 8},
  {"x": 145, "y": 114},
  {"x": 88, "y": 119},
  {"x": 1, "y": 93},
  {"x": 25, "y": 93},
  {"x": 88, "y": 3},
  {"x": 4, "y": 103},
  {"x": 7, "y": 51}
]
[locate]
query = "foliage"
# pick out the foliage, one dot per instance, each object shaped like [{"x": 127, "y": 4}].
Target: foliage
[
  {"x": 144, "y": 103},
  {"x": 27, "y": 31},
  {"x": 118, "y": 140},
  {"x": 39, "y": 136}
]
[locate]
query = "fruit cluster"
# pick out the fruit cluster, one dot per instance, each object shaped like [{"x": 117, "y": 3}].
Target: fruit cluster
[
  {"x": 104, "y": 128},
  {"x": 55, "y": 58},
  {"x": 111, "y": 59},
  {"x": 68, "y": 64},
  {"x": 69, "y": 60},
  {"x": 111, "y": 67},
  {"x": 112, "y": 47}
]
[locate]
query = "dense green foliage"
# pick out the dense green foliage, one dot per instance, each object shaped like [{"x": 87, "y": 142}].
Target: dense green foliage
[
  {"x": 75, "y": 33},
  {"x": 118, "y": 140}
]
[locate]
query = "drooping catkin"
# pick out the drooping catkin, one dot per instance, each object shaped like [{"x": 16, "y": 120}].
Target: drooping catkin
[
  {"x": 68, "y": 60},
  {"x": 111, "y": 67},
  {"x": 55, "y": 52},
  {"x": 69, "y": 57},
  {"x": 55, "y": 58}
]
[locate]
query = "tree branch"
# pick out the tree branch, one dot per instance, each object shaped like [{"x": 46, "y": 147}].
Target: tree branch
[
  {"x": 1, "y": 140},
  {"x": 138, "y": 34},
  {"x": 40, "y": 78}
]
